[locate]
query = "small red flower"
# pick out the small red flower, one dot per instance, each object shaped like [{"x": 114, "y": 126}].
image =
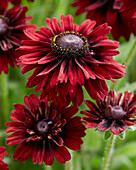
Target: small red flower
[
  {"x": 12, "y": 25},
  {"x": 3, "y": 165},
  {"x": 18, "y": 2},
  {"x": 67, "y": 57},
  {"x": 44, "y": 130},
  {"x": 115, "y": 112},
  {"x": 117, "y": 13}
]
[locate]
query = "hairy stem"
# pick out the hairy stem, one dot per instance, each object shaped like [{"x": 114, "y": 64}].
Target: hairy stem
[
  {"x": 68, "y": 165},
  {"x": 4, "y": 110},
  {"x": 45, "y": 11},
  {"x": 131, "y": 54},
  {"x": 48, "y": 167},
  {"x": 108, "y": 152}
]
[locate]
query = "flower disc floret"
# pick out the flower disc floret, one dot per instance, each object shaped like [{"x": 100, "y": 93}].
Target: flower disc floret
[
  {"x": 43, "y": 127},
  {"x": 3, "y": 28},
  {"x": 116, "y": 112},
  {"x": 69, "y": 44}
]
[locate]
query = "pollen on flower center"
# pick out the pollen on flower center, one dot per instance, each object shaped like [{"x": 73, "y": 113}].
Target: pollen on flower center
[
  {"x": 69, "y": 44},
  {"x": 43, "y": 127},
  {"x": 3, "y": 28}
]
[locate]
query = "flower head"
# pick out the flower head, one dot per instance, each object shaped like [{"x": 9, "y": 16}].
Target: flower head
[
  {"x": 3, "y": 165},
  {"x": 117, "y": 13},
  {"x": 67, "y": 57},
  {"x": 12, "y": 25},
  {"x": 115, "y": 112},
  {"x": 44, "y": 130}
]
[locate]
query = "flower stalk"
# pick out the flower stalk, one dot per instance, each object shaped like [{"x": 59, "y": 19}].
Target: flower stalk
[
  {"x": 131, "y": 54},
  {"x": 3, "y": 100},
  {"x": 68, "y": 165},
  {"x": 108, "y": 152},
  {"x": 48, "y": 167},
  {"x": 45, "y": 12}
]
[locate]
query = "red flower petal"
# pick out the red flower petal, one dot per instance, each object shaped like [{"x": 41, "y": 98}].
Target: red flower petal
[
  {"x": 104, "y": 125},
  {"x": 61, "y": 154},
  {"x": 117, "y": 128}
]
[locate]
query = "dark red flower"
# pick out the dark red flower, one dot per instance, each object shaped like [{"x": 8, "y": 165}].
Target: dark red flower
[
  {"x": 12, "y": 25},
  {"x": 44, "y": 130},
  {"x": 18, "y": 2},
  {"x": 3, "y": 165},
  {"x": 67, "y": 57},
  {"x": 115, "y": 112},
  {"x": 117, "y": 13}
]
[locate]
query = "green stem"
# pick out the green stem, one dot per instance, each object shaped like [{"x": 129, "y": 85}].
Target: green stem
[
  {"x": 45, "y": 12},
  {"x": 4, "y": 109},
  {"x": 61, "y": 10},
  {"x": 48, "y": 167},
  {"x": 68, "y": 165},
  {"x": 131, "y": 54},
  {"x": 108, "y": 152}
]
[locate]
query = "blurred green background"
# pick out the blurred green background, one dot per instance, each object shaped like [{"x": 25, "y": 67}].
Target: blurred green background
[{"x": 92, "y": 152}]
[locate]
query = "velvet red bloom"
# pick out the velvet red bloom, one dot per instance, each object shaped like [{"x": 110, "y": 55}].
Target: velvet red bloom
[
  {"x": 117, "y": 13},
  {"x": 67, "y": 57},
  {"x": 12, "y": 25},
  {"x": 18, "y": 2},
  {"x": 115, "y": 112},
  {"x": 3, "y": 165},
  {"x": 44, "y": 130}
]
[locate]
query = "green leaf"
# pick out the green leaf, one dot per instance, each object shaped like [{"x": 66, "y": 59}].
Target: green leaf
[
  {"x": 107, "y": 135},
  {"x": 132, "y": 128},
  {"x": 129, "y": 149},
  {"x": 122, "y": 135},
  {"x": 121, "y": 162},
  {"x": 92, "y": 140},
  {"x": 129, "y": 87}
]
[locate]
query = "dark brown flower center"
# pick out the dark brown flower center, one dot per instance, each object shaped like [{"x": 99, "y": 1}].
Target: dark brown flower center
[
  {"x": 69, "y": 44},
  {"x": 43, "y": 127},
  {"x": 116, "y": 112},
  {"x": 70, "y": 41},
  {"x": 3, "y": 28}
]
